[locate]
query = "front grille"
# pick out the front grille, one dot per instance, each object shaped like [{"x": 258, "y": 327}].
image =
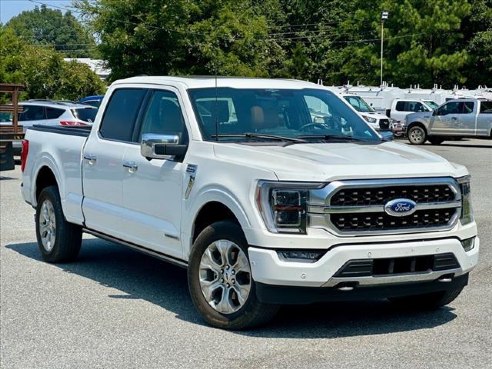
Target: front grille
[
  {"x": 380, "y": 196},
  {"x": 364, "y": 207},
  {"x": 384, "y": 124},
  {"x": 382, "y": 221},
  {"x": 395, "y": 266}
]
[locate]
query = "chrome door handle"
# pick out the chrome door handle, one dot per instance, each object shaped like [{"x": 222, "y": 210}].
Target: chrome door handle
[
  {"x": 90, "y": 158},
  {"x": 131, "y": 166}
]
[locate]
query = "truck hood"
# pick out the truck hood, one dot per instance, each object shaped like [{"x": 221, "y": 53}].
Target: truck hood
[{"x": 330, "y": 161}]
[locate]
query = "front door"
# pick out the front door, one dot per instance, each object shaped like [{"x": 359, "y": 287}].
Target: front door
[
  {"x": 153, "y": 189},
  {"x": 455, "y": 118}
]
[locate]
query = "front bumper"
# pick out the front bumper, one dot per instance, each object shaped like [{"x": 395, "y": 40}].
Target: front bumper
[{"x": 269, "y": 269}]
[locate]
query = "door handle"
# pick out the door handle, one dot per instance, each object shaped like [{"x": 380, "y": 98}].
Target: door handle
[
  {"x": 454, "y": 118},
  {"x": 90, "y": 158},
  {"x": 131, "y": 166}
]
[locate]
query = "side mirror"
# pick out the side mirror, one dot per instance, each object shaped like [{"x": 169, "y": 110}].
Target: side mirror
[
  {"x": 386, "y": 135},
  {"x": 154, "y": 146}
]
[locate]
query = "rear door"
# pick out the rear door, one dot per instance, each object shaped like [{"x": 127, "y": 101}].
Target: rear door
[
  {"x": 153, "y": 189},
  {"x": 484, "y": 119},
  {"x": 103, "y": 170}
]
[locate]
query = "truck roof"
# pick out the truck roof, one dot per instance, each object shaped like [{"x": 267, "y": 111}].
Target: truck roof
[{"x": 211, "y": 81}]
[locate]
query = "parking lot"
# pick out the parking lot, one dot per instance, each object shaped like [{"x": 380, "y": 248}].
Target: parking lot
[{"x": 115, "y": 308}]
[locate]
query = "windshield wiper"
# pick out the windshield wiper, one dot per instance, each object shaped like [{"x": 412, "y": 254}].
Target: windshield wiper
[
  {"x": 261, "y": 136},
  {"x": 330, "y": 137}
]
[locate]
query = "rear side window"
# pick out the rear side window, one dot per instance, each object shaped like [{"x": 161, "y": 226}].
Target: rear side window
[
  {"x": 121, "y": 112},
  {"x": 400, "y": 106},
  {"x": 53, "y": 113},
  {"x": 86, "y": 114},
  {"x": 486, "y": 107}
]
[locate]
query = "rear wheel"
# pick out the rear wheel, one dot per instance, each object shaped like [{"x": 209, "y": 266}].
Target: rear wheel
[
  {"x": 417, "y": 135},
  {"x": 58, "y": 240},
  {"x": 220, "y": 279},
  {"x": 429, "y": 301}
]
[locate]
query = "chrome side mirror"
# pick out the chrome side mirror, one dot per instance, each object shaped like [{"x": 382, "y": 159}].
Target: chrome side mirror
[{"x": 155, "y": 146}]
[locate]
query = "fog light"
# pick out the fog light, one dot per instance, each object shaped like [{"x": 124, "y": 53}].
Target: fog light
[
  {"x": 306, "y": 256},
  {"x": 468, "y": 244}
]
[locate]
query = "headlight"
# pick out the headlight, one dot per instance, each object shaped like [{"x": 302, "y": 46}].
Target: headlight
[
  {"x": 283, "y": 205},
  {"x": 466, "y": 206},
  {"x": 370, "y": 119}
]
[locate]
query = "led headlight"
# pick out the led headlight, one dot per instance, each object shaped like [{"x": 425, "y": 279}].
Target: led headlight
[
  {"x": 466, "y": 206},
  {"x": 283, "y": 205}
]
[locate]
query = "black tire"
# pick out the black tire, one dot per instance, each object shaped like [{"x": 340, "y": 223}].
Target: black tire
[
  {"x": 252, "y": 312},
  {"x": 429, "y": 301},
  {"x": 417, "y": 135},
  {"x": 58, "y": 240},
  {"x": 435, "y": 140}
]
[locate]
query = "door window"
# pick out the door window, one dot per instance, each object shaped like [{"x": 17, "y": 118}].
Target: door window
[
  {"x": 164, "y": 116},
  {"x": 486, "y": 107},
  {"x": 32, "y": 112},
  {"x": 121, "y": 112}
]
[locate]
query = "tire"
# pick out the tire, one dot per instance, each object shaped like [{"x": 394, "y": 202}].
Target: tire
[
  {"x": 435, "y": 140},
  {"x": 430, "y": 301},
  {"x": 58, "y": 240},
  {"x": 219, "y": 269},
  {"x": 417, "y": 135}
]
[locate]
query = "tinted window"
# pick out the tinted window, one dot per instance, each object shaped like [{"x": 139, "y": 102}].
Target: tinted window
[
  {"x": 486, "y": 107},
  {"x": 32, "y": 112},
  {"x": 400, "y": 106},
  {"x": 164, "y": 116},
  {"x": 86, "y": 114},
  {"x": 53, "y": 113},
  {"x": 121, "y": 112},
  {"x": 467, "y": 107}
]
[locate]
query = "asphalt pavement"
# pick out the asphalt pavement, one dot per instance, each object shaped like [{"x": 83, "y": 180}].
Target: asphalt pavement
[{"x": 116, "y": 308}]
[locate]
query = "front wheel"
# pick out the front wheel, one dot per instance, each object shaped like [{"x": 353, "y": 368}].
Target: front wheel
[
  {"x": 417, "y": 135},
  {"x": 58, "y": 240},
  {"x": 220, "y": 279}
]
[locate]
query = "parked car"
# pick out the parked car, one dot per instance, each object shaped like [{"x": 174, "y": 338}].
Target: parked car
[
  {"x": 94, "y": 100},
  {"x": 454, "y": 119},
  {"x": 53, "y": 113},
  {"x": 376, "y": 120},
  {"x": 268, "y": 192},
  {"x": 400, "y": 108}
]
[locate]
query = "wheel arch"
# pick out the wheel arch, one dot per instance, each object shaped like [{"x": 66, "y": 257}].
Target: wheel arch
[
  {"x": 44, "y": 178},
  {"x": 417, "y": 123},
  {"x": 211, "y": 212}
]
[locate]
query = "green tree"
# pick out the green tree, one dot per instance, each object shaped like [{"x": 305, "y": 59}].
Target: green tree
[
  {"x": 44, "y": 26},
  {"x": 43, "y": 71}
]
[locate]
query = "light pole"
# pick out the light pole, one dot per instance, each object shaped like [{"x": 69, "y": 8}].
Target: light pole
[{"x": 384, "y": 16}]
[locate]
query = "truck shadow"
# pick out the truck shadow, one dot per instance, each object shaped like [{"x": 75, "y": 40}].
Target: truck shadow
[{"x": 138, "y": 276}]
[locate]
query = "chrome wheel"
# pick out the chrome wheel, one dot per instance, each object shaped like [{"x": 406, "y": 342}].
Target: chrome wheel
[
  {"x": 47, "y": 225},
  {"x": 416, "y": 135},
  {"x": 225, "y": 276}
]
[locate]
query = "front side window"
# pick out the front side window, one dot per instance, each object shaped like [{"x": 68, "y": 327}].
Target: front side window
[
  {"x": 32, "y": 112},
  {"x": 121, "y": 112},
  {"x": 238, "y": 114},
  {"x": 164, "y": 116}
]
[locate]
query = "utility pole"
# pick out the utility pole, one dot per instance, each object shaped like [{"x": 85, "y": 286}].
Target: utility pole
[{"x": 384, "y": 16}]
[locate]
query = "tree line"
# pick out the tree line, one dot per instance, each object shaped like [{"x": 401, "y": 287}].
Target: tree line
[{"x": 426, "y": 42}]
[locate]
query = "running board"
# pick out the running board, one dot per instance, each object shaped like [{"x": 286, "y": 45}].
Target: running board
[{"x": 144, "y": 250}]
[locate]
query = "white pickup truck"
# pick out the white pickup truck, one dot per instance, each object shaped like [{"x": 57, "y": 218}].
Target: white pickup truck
[{"x": 264, "y": 202}]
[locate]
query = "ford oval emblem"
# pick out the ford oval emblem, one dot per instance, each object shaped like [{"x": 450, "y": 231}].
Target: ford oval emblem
[{"x": 400, "y": 207}]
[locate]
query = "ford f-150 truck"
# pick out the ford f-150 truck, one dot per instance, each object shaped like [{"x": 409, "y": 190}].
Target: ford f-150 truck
[
  {"x": 454, "y": 119},
  {"x": 264, "y": 203}
]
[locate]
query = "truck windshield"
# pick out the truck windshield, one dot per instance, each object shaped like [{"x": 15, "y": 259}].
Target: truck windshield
[
  {"x": 230, "y": 114},
  {"x": 359, "y": 104},
  {"x": 431, "y": 104}
]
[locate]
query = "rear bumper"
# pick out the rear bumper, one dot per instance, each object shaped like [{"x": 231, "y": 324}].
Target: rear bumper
[{"x": 271, "y": 294}]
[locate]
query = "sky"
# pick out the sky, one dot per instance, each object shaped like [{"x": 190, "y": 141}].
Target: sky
[{"x": 11, "y": 8}]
